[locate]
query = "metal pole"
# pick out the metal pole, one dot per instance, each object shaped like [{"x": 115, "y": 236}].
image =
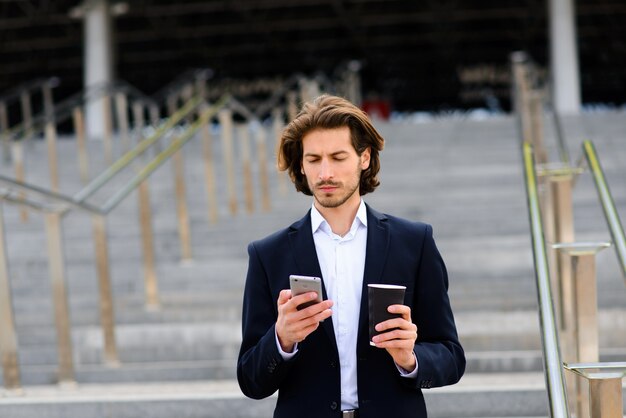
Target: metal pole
[
  {"x": 549, "y": 329},
  {"x": 244, "y": 137},
  {"x": 121, "y": 106},
  {"x": 225, "y": 117},
  {"x": 27, "y": 115},
  {"x": 583, "y": 308},
  {"x": 149, "y": 270},
  {"x": 139, "y": 120},
  {"x": 263, "y": 177},
  {"x": 605, "y": 387},
  {"x": 61, "y": 309},
  {"x": 182, "y": 212},
  {"x": 535, "y": 108},
  {"x": 277, "y": 126},
  {"x": 606, "y": 397},
  {"x": 292, "y": 105},
  {"x": 561, "y": 187},
  {"x": 8, "y": 336},
  {"x": 17, "y": 150},
  {"x": 209, "y": 172},
  {"x": 4, "y": 138},
  {"x": 83, "y": 155},
  {"x": 51, "y": 141},
  {"x": 107, "y": 317},
  {"x": 520, "y": 78},
  {"x": 108, "y": 129},
  {"x": 154, "y": 120}
]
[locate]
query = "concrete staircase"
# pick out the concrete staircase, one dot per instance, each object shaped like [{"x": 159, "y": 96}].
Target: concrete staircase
[{"x": 462, "y": 176}]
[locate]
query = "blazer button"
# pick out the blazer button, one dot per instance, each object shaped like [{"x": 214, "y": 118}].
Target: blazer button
[
  {"x": 333, "y": 406},
  {"x": 333, "y": 364}
]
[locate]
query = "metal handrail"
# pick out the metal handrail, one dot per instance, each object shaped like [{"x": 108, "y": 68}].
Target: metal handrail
[
  {"x": 179, "y": 82},
  {"x": 608, "y": 205},
  {"x": 78, "y": 200},
  {"x": 63, "y": 110},
  {"x": 98, "y": 182},
  {"x": 555, "y": 382},
  {"x": 163, "y": 156},
  {"x": 15, "y": 92}
]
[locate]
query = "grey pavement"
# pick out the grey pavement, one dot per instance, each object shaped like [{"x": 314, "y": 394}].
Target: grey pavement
[{"x": 462, "y": 176}]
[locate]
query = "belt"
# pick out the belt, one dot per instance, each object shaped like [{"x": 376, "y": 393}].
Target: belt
[{"x": 352, "y": 413}]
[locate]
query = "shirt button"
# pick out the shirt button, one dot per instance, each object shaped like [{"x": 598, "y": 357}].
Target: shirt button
[{"x": 333, "y": 406}]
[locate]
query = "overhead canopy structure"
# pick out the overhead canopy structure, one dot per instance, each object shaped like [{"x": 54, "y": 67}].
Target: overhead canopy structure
[{"x": 430, "y": 54}]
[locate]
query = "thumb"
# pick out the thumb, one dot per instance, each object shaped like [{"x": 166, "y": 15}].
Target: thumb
[{"x": 284, "y": 296}]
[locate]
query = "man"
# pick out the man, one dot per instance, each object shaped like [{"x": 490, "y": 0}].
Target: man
[{"x": 319, "y": 358}]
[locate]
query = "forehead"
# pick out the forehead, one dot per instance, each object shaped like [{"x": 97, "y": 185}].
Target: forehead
[{"x": 327, "y": 141}]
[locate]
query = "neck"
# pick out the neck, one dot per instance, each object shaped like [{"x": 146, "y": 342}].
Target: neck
[{"x": 340, "y": 218}]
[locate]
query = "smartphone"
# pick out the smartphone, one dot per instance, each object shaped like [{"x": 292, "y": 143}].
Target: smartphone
[{"x": 304, "y": 284}]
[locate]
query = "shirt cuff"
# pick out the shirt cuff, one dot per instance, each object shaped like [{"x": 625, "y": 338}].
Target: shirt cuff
[
  {"x": 403, "y": 373},
  {"x": 288, "y": 356}
]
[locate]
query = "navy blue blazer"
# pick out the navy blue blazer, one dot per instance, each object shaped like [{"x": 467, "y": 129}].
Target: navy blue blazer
[{"x": 398, "y": 252}]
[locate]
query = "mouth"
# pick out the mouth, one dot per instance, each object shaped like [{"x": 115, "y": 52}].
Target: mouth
[{"x": 327, "y": 188}]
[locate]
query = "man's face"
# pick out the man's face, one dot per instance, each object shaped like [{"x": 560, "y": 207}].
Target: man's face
[{"x": 332, "y": 166}]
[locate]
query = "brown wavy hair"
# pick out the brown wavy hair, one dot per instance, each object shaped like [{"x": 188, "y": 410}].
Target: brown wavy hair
[{"x": 329, "y": 112}]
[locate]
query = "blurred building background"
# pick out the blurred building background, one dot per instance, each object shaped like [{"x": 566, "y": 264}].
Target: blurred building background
[{"x": 420, "y": 55}]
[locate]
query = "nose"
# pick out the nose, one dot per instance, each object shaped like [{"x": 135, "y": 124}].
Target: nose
[{"x": 326, "y": 172}]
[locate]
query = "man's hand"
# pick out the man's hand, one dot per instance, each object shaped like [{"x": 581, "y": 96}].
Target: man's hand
[
  {"x": 399, "y": 343},
  {"x": 292, "y": 325}
]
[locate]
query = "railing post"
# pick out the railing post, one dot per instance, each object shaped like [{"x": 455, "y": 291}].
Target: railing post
[
  {"x": 83, "y": 155},
  {"x": 277, "y": 127},
  {"x": 606, "y": 397},
  {"x": 261, "y": 144},
  {"x": 583, "y": 308},
  {"x": 560, "y": 188},
  {"x": 51, "y": 137},
  {"x": 121, "y": 106},
  {"x": 107, "y": 317},
  {"x": 535, "y": 110},
  {"x": 139, "y": 121},
  {"x": 292, "y": 105},
  {"x": 151, "y": 285},
  {"x": 108, "y": 129},
  {"x": 61, "y": 310},
  {"x": 244, "y": 139},
  {"x": 182, "y": 212},
  {"x": 605, "y": 387},
  {"x": 8, "y": 336},
  {"x": 17, "y": 151},
  {"x": 225, "y": 117},
  {"x": 4, "y": 138},
  {"x": 27, "y": 114},
  {"x": 209, "y": 170}
]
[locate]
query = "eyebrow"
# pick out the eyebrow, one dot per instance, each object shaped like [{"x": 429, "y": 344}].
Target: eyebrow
[{"x": 311, "y": 154}]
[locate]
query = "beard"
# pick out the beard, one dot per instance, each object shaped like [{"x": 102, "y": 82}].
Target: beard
[{"x": 339, "y": 196}]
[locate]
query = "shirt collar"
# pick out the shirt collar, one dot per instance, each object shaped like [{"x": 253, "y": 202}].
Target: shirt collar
[{"x": 318, "y": 221}]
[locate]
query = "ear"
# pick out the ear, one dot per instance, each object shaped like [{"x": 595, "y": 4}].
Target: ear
[{"x": 365, "y": 158}]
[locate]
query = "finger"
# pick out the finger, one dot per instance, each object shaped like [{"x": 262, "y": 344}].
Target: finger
[
  {"x": 397, "y": 334},
  {"x": 395, "y": 323},
  {"x": 403, "y": 310},
  {"x": 316, "y": 308},
  {"x": 303, "y": 298},
  {"x": 284, "y": 296}
]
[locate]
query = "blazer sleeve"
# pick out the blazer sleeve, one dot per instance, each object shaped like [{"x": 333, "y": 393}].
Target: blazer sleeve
[
  {"x": 440, "y": 357},
  {"x": 260, "y": 367}
]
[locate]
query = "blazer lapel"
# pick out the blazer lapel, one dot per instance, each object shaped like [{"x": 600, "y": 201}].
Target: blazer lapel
[
  {"x": 375, "y": 259},
  {"x": 305, "y": 257}
]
